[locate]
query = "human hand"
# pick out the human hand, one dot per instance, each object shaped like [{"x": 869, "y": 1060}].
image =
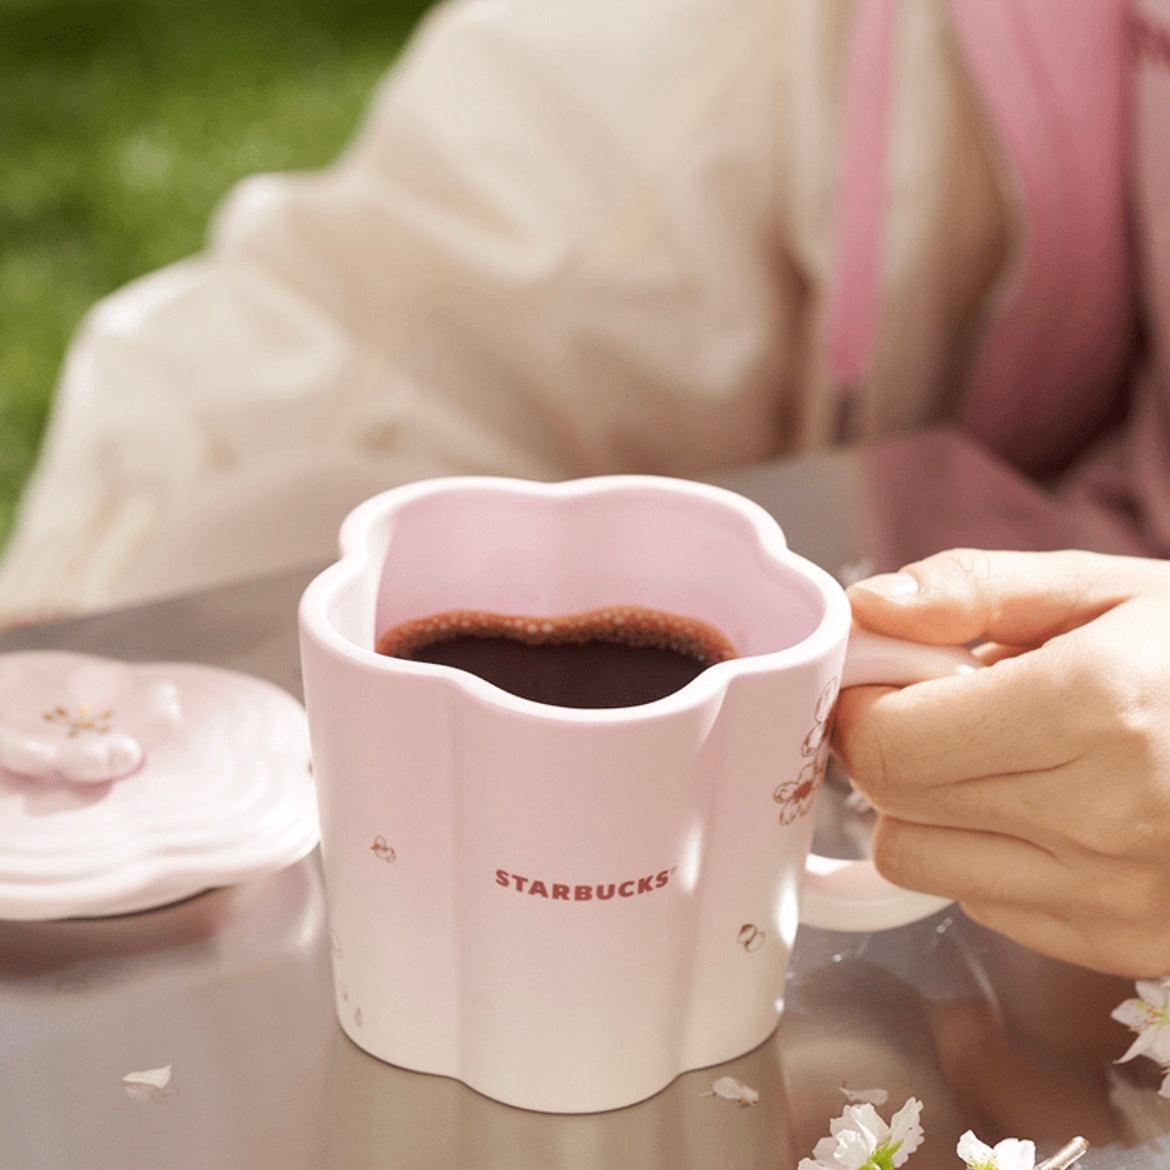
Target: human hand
[{"x": 1035, "y": 792}]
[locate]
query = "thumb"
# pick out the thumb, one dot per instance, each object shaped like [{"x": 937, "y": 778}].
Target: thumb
[{"x": 1017, "y": 598}]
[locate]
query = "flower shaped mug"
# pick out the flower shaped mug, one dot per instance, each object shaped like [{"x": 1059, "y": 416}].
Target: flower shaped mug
[{"x": 563, "y": 926}]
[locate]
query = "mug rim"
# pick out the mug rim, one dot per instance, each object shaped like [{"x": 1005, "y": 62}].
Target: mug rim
[{"x": 709, "y": 684}]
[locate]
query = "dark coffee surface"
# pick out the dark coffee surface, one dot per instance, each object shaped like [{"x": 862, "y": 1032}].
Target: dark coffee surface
[{"x": 621, "y": 656}]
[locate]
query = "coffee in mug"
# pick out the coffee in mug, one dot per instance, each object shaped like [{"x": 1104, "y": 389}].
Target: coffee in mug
[{"x": 617, "y": 656}]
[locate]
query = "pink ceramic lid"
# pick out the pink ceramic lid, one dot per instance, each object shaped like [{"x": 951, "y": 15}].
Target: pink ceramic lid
[{"x": 125, "y": 786}]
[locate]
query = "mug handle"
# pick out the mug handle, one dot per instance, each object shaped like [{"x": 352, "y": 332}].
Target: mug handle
[{"x": 852, "y": 895}]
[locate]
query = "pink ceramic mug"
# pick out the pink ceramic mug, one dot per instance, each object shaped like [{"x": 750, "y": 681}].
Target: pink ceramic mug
[{"x": 567, "y": 908}]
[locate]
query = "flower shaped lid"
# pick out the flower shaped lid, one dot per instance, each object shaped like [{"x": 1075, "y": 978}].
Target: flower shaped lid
[{"x": 126, "y": 786}]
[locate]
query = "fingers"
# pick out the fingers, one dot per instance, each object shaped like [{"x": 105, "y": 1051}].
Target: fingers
[
  {"x": 1116, "y": 949},
  {"x": 1050, "y": 810},
  {"x": 965, "y": 595},
  {"x": 1042, "y": 931},
  {"x": 1011, "y": 886},
  {"x": 1029, "y": 807},
  {"x": 989, "y": 653},
  {"x": 1014, "y": 716},
  {"x": 1098, "y": 786},
  {"x": 1071, "y": 741},
  {"x": 1036, "y": 792},
  {"x": 968, "y": 866}
]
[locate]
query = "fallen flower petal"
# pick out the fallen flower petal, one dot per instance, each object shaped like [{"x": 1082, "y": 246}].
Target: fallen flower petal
[
  {"x": 729, "y": 1089},
  {"x": 866, "y": 1096},
  {"x": 151, "y": 1078}
]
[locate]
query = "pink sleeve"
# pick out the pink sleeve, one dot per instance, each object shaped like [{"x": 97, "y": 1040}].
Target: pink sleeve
[
  {"x": 1121, "y": 488},
  {"x": 1128, "y": 476}
]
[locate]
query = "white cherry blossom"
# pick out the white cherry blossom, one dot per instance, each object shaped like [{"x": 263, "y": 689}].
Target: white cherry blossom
[
  {"x": 861, "y": 1140},
  {"x": 1149, "y": 1017},
  {"x": 1010, "y": 1154}
]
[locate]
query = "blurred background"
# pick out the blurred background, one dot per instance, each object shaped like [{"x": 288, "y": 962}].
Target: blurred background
[{"x": 122, "y": 125}]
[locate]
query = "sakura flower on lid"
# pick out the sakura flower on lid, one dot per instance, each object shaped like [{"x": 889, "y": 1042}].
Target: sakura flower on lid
[
  {"x": 88, "y": 721},
  {"x": 126, "y": 786}
]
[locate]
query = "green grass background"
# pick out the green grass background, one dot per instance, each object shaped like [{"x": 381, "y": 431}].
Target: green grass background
[{"x": 123, "y": 123}]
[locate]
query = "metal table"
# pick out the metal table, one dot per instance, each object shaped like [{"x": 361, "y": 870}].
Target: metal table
[{"x": 233, "y": 987}]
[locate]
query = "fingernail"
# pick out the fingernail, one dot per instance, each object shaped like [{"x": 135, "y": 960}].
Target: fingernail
[{"x": 896, "y": 586}]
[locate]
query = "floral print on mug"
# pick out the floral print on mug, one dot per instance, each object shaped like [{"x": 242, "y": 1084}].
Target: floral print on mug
[
  {"x": 795, "y": 797},
  {"x": 751, "y": 937},
  {"x": 382, "y": 849},
  {"x": 822, "y": 724}
]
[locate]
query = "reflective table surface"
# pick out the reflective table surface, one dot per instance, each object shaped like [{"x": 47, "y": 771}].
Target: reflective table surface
[{"x": 233, "y": 988}]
